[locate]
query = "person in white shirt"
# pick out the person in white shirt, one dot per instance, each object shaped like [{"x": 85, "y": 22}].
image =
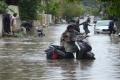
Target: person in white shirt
[{"x": 13, "y": 23}]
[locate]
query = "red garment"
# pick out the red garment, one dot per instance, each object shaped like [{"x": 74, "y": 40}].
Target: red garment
[{"x": 55, "y": 55}]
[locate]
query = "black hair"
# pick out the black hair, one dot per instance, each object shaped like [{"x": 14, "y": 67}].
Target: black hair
[
  {"x": 15, "y": 14},
  {"x": 70, "y": 27}
]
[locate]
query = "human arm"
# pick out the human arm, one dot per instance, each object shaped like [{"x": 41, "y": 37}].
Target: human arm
[{"x": 82, "y": 23}]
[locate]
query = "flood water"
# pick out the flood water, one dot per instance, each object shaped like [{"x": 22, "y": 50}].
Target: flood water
[{"x": 24, "y": 59}]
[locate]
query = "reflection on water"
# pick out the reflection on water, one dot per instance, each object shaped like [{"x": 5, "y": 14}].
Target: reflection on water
[
  {"x": 24, "y": 59},
  {"x": 68, "y": 69}
]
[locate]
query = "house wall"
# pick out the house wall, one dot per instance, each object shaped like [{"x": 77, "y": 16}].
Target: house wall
[{"x": 1, "y": 25}]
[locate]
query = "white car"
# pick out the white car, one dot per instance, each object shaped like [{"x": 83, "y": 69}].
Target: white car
[{"x": 102, "y": 26}]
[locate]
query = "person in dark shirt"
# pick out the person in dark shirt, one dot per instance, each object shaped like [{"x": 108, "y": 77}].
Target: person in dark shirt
[
  {"x": 85, "y": 26},
  {"x": 6, "y": 23},
  {"x": 77, "y": 25},
  {"x": 112, "y": 28}
]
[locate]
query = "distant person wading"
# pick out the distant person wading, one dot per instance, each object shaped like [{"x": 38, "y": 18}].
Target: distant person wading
[
  {"x": 85, "y": 26},
  {"x": 112, "y": 28},
  {"x": 13, "y": 23}
]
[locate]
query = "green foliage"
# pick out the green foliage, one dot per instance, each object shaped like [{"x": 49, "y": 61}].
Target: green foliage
[
  {"x": 64, "y": 8},
  {"x": 53, "y": 7},
  {"x": 72, "y": 9},
  {"x": 92, "y": 11},
  {"x": 29, "y": 9},
  {"x": 112, "y": 7},
  {"x": 3, "y": 6},
  {"x": 108, "y": 0}
]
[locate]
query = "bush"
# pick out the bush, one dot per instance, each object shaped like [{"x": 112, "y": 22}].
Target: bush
[
  {"x": 3, "y": 6},
  {"x": 28, "y": 9}
]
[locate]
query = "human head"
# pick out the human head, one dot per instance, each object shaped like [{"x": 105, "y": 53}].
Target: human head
[
  {"x": 88, "y": 20},
  {"x": 74, "y": 25},
  {"x": 15, "y": 14},
  {"x": 70, "y": 27}
]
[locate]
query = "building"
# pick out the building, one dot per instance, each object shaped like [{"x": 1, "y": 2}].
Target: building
[
  {"x": 46, "y": 19},
  {"x": 9, "y": 2}
]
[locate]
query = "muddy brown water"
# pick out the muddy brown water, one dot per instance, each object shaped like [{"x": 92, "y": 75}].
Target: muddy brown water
[{"x": 24, "y": 59}]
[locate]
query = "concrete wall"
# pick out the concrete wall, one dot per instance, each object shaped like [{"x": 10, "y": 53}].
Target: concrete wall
[
  {"x": 49, "y": 19},
  {"x": 13, "y": 9},
  {"x": 1, "y": 25},
  {"x": 46, "y": 19}
]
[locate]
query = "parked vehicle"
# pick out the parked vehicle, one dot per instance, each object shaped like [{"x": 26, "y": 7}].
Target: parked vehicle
[{"x": 102, "y": 26}]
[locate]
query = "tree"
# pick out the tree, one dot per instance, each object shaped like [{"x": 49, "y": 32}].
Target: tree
[
  {"x": 29, "y": 9},
  {"x": 53, "y": 7},
  {"x": 64, "y": 8},
  {"x": 112, "y": 7},
  {"x": 72, "y": 8},
  {"x": 3, "y": 6}
]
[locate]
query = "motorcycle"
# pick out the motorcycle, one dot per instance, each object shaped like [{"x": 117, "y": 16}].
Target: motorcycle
[
  {"x": 58, "y": 52},
  {"x": 85, "y": 49},
  {"x": 55, "y": 52}
]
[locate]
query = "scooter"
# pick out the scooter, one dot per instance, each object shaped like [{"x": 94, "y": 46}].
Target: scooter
[
  {"x": 55, "y": 52},
  {"x": 40, "y": 33},
  {"x": 85, "y": 49},
  {"x": 58, "y": 52}
]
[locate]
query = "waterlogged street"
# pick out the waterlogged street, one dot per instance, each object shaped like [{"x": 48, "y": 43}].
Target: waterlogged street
[{"x": 24, "y": 58}]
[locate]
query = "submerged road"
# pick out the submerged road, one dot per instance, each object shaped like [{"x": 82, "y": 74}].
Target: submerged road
[{"x": 24, "y": 58}]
